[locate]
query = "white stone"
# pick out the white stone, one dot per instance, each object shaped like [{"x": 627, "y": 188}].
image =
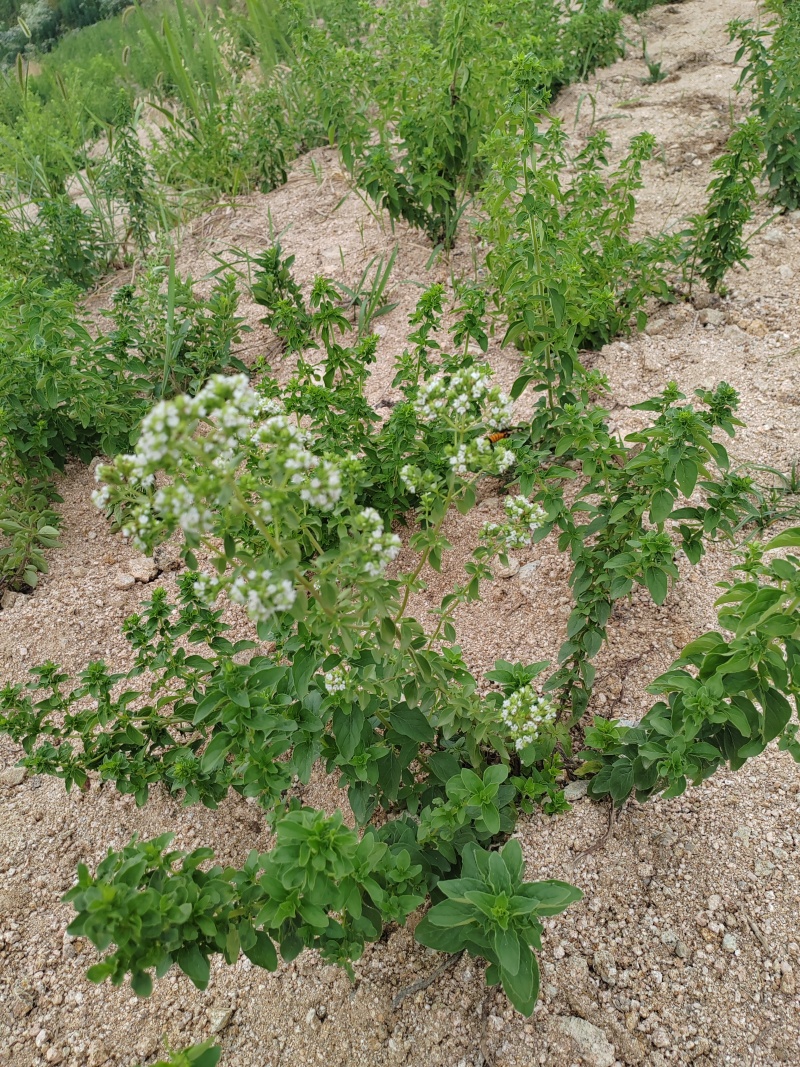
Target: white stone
[
  {"x": 507, "y": 572},
  {"x": 575, "y": 791},
  {"x": 219, "y": 1018},
  {"x": 591, "y": 1041},
  {"x": 13, "y": 776},
  {"x": 142, "y": 568}
]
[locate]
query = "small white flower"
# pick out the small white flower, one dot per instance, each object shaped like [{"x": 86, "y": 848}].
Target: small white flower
[
  {"x": 524, "y": 519},
  {"x": 336, "y": 678},
  {"x": 262, "y": 594},
  {"x": 525, "y": 715}
]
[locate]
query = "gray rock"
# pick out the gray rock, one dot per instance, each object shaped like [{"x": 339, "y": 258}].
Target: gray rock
[
  {"x": 168, "y": 557},
  {"x": 590, "y": 1040},
  {"x": 656, "y": 326},
  {"x": 528, "y": 572},
  {"x": 575, "y": 791},
  {"x": 122, "y": 580},
  {"x": 729, "y": 943},
  {"x": 713, "y": 317},
  {"x": 507, "y": 572},
  {"x": 733, "y": 333},
  {"x": 68, "y": 948},
  {"x": 8, "y": 599},
  {"x": 605, "y": 966},
  {"x": 682, "y": 950},
  {"x": 661, "y": 1038},
  {"x": 219, "y": 1019},
  {"x": 13, "y": 776},
  {"x": 98, "y": 1054},
  {"x": 773, "y": 237},
  {"x": 142, "y": 568}
]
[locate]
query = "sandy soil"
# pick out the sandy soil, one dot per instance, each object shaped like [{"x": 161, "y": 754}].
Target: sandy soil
[{"x": 685, "y": 950}]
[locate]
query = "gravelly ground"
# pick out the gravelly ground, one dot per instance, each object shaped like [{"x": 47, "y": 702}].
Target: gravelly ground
[{"x": 685, "y": 949}]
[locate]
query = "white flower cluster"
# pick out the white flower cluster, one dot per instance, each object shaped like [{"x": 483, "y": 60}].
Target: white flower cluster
[
  {"x": 318, "y": 480},
  {"x": 526, "y": 714},
  {"x": 336, "y": 678},
  {"x": 380, "y": 547},
  {"x": 177, "y": 504},
  {"x": 262, "y": 593},
  {"x": 207, "y": 587},
  {"x": 469, "y": 390},
  {"x": 101, "y": 496},
  {"x": 477, "y": 456},
  {"x": 525, "y": 518},
  {"x": 226, "y": 402}
]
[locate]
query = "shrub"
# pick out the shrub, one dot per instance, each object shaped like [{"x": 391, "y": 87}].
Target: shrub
[
  {"x": 65, "y": 393},
  {"x": 726, "y": 697},
  {"x": 354, "y": 680},
  {"x": 438, "y": 76},
  {"x": 772, "y": 75},
  {"x": 435, "y": 772},
  {"x": 716, "y": 242}
]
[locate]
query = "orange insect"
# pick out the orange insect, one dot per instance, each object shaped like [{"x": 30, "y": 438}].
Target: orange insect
[{"x": 501, "y": 435}]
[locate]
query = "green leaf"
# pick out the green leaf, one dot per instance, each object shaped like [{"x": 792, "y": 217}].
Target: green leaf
[
  {"x": 410, "y": 722},
  {"x": 509, "y": 951},
  {"x": 686, "y": 475},
  {"x": 656, "y": 582},
  {"x": 491, "y": 818},
  {"x": 347, "y": 730},
  {"x": 303, "y": 667},
  {"x": 661, "y": 506},
  {"x": 621, "y": 780},
  {"x": 521, "y": 384},
  {"x": 141, "y": 984},
  {"x": 558, "y": 304},
  {"x": 777, "y": 713},
  {"x": 522, "y": 988},
  {"x": 787, "y": 539},
  {"x": 205, "y": 1055},
  {"x": 440, "y": 938},
  {"x": 218, "y": 748},
  {"x": 194, "y": 964},
  {"x": 263, "y": 953}
]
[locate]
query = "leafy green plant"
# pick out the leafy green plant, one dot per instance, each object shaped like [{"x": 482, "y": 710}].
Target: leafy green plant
[
  {"x": 569, "y": 245},
  {"x": 354, "y": 680},
  {"x": 655, "y": 71},
  {"x": 274, "y": 288},
  {"x": 434, "y": 80},
  {"x": 637, "y": 7},
  {"x": 367, "y": 299},
  {"x": 493, "y": 913},
  {"x": 772, "y": 77},
  {"x": 726, "y": 697},
  {"x": 30, "y": 526},
  {"x": 126, "y": 178},
  {"x": 716, "y": 243},
  {"x": 65, "y": 393}
]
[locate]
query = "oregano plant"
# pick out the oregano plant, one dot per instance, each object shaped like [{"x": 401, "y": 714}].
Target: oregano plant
[{"x": 354, "y": 680}]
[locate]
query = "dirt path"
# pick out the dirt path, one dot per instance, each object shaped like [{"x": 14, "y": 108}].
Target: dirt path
[{"x": 685, "y": 950}]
